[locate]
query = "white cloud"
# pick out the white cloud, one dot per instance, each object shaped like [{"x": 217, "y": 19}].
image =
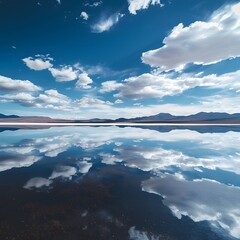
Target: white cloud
[
  {"x": 202, "y": 200},
  {"x": 37, "y": 182},
  {"x": 97, "y": 108},
  {"x": 59, "y": 1},
  {"x": 8, "y": 84},
  {"x": 40, "y": 62},
  {"x": 84, "y": 16},
  {"x": 110, "y": 86},
  {"x": 64, "y": 74},
  {"x": 136, "y": 5},
  {"x": 88, "y": 102},
  {"x": 83, "y": 81},
  {"x": 200, "y": 43},
  {"x": 22, "y": 98},
  {"x": 152, "y": 86},
  {"x": 50, "y": 99},
  {"x": 145, "y": 86},
  {"x": 105, "y": 24}
]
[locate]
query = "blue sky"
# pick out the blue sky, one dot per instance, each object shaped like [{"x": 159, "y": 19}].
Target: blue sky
[{"x": 123, "y": 58}]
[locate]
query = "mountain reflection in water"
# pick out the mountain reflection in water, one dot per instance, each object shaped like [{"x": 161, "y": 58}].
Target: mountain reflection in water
[{"x": 120, "y": 183}]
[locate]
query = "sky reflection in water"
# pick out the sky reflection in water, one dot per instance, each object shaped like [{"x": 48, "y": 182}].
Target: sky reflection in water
[{"x": 119, "y": 183}]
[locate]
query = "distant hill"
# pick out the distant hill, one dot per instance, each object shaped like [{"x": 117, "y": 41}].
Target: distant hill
[{"x": 8, "y": 116}]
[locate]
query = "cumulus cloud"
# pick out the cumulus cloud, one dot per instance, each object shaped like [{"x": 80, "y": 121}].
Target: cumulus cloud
[
  {"x": 84, "y": 16},
  {"x": 105, "y": 24},
  {"x": 83, "y": 81},
  {"x": 8, "y": 84},
  {"x": 38, "y": 63},
  {"x": 51, "y": 99},
  {"x": 200, "y": 200},
  {"x": 136, "y": 5},
  {"x": 24, "y": 99},
  {"x": 157, "y": 86},
  {"x": 200, "y": 43},
  {"x": 110, "y": 86},
  {"x": 64, "y": 74}
]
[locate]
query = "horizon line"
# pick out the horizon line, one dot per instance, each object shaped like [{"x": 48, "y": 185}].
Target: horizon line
[{"x": 116, "y": 124}]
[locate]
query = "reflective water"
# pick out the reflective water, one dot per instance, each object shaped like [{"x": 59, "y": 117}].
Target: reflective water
[{"x": 120, "y": 183}]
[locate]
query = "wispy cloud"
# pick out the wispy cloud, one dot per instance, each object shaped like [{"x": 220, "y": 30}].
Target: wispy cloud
[
  {"x": 106, "y": 23},
  {"x": 103, "y": 71}
]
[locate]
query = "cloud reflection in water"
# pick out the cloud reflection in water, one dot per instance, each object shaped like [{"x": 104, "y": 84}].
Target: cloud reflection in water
[{"x": 178, "y": 162}]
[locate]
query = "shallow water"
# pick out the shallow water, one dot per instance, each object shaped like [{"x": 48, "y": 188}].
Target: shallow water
[{"x": 120, "y": 183}]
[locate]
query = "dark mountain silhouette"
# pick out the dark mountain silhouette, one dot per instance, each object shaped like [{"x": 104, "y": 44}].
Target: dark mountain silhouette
[{"x": 8, "y": 116}]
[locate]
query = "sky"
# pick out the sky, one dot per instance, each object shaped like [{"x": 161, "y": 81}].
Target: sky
[{"x": 123, "y": 58}]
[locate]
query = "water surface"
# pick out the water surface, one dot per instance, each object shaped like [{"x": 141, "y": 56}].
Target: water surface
[{"x": 120, "y": 183}]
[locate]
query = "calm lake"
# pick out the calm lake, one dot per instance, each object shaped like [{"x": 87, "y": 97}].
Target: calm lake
[{"x": 120, "y": 183}]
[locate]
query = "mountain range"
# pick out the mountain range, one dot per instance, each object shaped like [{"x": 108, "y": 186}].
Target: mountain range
[{"x": 201, "y": 117}]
